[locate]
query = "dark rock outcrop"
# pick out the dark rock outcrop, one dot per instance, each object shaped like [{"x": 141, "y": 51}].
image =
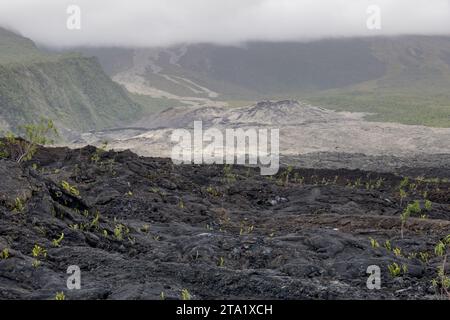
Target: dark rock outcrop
[{"x": 138, "y": 227}]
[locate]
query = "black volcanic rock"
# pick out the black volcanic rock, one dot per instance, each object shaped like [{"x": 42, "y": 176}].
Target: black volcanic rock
[{"x": 143, "y": 226}]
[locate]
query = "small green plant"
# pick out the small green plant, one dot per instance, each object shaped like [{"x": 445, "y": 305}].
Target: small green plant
[
  {"x": 70, "y": 189},
  {"x": 298, "y": 179},
  {"x": 39, "y": 252},
  {"x": 439, "y": 249},
  {"x": 228, "y": 175},
  {"x": 99, "y": 151},
  {"x": 19, "y": 205},
  {"x": 357, "y": 183},
  {"x": 57, "y": 242},
  {"x": 442, "y": 281},
  {"x": 213, "y": 191},
  {"x": 404, "y": 268},
  {"x": 404, "y": 183},
  {"x": 246, "y": 229},
  {"x": 4, "y": 254},
  {"x": 424, "y": 256},
  {"x": 286, "y": 174},
  {"x": 95, "y": 223},
  {"x": 185, "y": 295},
  {"x": 395, "y": 270},
  {"x": 132, "y": 240},
  {"x": 412, "y": 208},
  {"x": 379, "y": 183},
  {"x": 402, "y": 194},
  {"x": 428, "y": 205},
  {"x": 387, "y": 245},
  {"x": 3, "y": 152},
  {"x": 412, "y": 255},
  {"x": 60, "y": 296},
  {"x": 145, "y": 228},
  {"x": 162, "y": 296},
  {"x": 221, "y": 262},
  {"x": 118, "y": 232},
  {"x": 374, "y": 243},
  {"x": 397, "y": 251}
]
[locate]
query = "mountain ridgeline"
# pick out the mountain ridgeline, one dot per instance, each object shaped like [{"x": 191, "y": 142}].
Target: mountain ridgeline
[
  {"x": 69, "y": 88},
  {"x": 398, "y": 79}
]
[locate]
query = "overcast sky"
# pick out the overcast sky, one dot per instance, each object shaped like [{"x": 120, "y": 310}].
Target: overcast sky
[{"x": 167, "y": 22}]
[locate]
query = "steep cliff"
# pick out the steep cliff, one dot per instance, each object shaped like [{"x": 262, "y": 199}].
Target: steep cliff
[{"x": 71, "y": 89}]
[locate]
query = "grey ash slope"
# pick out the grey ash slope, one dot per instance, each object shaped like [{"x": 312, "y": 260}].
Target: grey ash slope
[
  {"x": 218, "y": 235},
  {"x": 306, "y": 132}
]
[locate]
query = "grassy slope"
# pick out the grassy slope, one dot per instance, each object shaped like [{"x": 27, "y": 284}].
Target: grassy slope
[
  {"x": 153, "y": 105},
  {"x": 71, "y": 89},
  {"x": 414, "y": 90}
]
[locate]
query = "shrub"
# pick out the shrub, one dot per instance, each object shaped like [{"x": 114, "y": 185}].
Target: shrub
[
  {"x": 33, "y": 135},
  {"x": 442, "y": 281},
  {"x": 412, "y": 208}
]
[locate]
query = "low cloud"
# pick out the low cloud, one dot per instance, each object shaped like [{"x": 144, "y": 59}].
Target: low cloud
[{"x": 146, "y": 23}]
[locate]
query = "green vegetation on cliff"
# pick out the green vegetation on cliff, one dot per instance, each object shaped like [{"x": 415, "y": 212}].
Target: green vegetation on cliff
[{"x": 70, "y": 89}]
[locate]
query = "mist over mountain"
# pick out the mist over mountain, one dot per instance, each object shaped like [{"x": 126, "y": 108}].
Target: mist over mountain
[{"x": 150, "y": 23}]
